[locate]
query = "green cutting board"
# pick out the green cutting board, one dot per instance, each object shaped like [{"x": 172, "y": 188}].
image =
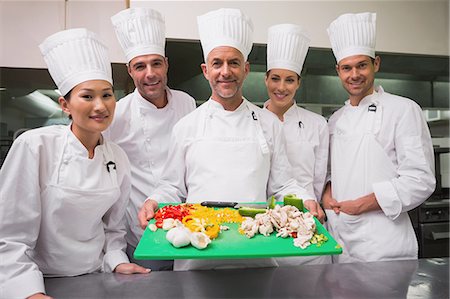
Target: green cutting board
[{"x": 231, "y": 244}]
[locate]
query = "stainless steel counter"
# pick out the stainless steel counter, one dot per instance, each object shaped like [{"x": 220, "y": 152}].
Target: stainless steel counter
[{"x": 424, "y": 278}]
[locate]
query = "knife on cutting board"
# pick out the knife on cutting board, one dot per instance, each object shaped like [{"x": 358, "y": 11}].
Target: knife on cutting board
[{"x": 235, "y": 205}]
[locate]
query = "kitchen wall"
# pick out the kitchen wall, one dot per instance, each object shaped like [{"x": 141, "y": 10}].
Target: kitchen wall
[
  {"x": 414, "y": 34},
  {"x": 417, "y": 27}
]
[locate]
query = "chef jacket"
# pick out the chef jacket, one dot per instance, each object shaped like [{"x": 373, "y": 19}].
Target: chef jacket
[
  {"x": 42, "y": 235},
  {"x": 307, "y": 143},
  {"x": 307, "y": 136},
  {"x": 403, "y": 154},
  {"x": 143, "y": 132},
  {"x": 173, "y": 186}
]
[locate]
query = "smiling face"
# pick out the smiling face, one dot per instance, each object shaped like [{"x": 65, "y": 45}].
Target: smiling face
[
  {"x": 149, "y": 73},
  {"x": 281, "y": 86},
  {"x": 226, "y": 71},
  {"x": 357, "y": 74},
  {"x": 91, "y": 105}
]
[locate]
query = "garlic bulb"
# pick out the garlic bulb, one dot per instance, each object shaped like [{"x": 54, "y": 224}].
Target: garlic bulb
[
  {"x": 179, "y": 236},
  {"x": 200, "y": 240},
  {"x": 168, "y": 223}
]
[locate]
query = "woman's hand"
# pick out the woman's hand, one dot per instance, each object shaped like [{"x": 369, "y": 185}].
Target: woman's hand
[{"x": 130, "y": 268}]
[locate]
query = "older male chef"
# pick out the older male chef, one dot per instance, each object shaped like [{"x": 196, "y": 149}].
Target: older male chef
[
  {"x": 228, "y": 149},
  {"x": 382, "y": 162},
  {"x": 144, "y": 119}
]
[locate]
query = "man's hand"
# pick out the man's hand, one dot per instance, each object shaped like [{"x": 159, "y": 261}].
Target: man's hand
[
  {"x": 360, "y": 205},
  {"x": 328, "y": 202},
  {"x": 130, "y": 268},
  {"x": 147, "y": 212},
  {"x": 315, "y": 209}
]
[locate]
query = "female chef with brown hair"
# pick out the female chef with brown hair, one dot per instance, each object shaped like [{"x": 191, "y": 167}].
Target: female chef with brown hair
[
  {"x": 306, "y": 132},
  {"x": 64, "y": 189}
]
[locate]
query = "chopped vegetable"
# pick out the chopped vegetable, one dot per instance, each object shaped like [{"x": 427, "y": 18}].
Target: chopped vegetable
[
  {"x": 250, "y": 212},
  {"x": 292, "y": 200},
  {"x": 272, "y": 202},
  {"x": 171, "y": 211}
]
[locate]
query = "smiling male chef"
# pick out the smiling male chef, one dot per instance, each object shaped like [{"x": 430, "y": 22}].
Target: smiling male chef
[
  {"x": 144, "y": 119},
  {"x": 228, "y": 149},
  {"x": 382, "y": 162}
]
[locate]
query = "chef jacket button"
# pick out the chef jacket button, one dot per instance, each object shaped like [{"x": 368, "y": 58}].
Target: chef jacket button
[
  {"x": 152, "y": 163},
  {"x": 148, "y": 140},
  {"x": 66, "y": 162}
]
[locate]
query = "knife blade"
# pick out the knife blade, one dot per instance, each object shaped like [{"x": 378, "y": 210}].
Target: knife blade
[{"x": 236, "y": 205}]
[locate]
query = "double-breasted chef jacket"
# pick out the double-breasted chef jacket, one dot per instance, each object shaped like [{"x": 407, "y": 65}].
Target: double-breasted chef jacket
[
  {"x": 61, "y": 213},
  {"x": 212, "y": 143},
  {"x": 383, "y": 146},
  {"x": 143, "y": 132},
  {"x": 307, "y": 143},
  {"x": 231, "y": 156}
]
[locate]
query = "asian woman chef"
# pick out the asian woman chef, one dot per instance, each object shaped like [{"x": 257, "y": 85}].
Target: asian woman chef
[
  {"x": 306, "y": 132},
  {"x": 64, "y": 189}
]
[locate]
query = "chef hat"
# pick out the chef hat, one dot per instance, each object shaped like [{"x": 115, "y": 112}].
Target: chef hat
[
  {"x": 140, "y": 31},
  {"x": 353, "y": 34},
  {"x": 74, "y": 56},
  {"x": 287, "y": 46},
  {"x": 225, "y": 27}
]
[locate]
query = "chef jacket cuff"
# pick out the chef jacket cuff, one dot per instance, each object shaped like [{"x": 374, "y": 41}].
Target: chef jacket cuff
[
  {"x": 388, "y": 199},
  {"x": 113, "y": 258},
  {"x": 24, "y": 285},
  {"x": 155, "y": 197}
]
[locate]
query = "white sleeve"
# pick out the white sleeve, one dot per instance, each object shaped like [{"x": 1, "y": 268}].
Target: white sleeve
[
  {"x": 414, "y": 152},
  {"x": 114, "y": 219},
  {"x": 281, "y": 179},
  {"x": 172, "y": 186},
  {"x": 321, "y": 161},
  {"x": 20, "y": 219}
]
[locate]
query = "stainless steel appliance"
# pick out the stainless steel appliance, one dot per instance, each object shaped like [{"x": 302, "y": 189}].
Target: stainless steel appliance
[{"x": 431, "y": 219}]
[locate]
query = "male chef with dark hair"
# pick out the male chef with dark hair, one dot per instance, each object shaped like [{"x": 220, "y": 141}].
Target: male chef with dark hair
[
  {"x": 144, "y": 119},
  {"x": 382, "y": 162}
]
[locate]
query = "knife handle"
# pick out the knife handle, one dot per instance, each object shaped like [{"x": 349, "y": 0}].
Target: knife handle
[{"x": 219, "y": 204}]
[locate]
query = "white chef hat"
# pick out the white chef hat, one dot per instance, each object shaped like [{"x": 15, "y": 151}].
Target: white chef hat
[
  {"x": 140, "y": 31},
  {"x": 287, "y": 46},
  {"x": 353, "y": 34},
  {"x": 225, "y": 27},
  {"x": 74, "y": 56}
]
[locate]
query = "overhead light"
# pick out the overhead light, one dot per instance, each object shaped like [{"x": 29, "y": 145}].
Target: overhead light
[{"x": 2, "y": 88}]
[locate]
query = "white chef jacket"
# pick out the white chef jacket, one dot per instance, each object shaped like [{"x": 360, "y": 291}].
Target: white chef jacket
[
  {"x": 143, "y": 132},
  {"x": 25, "y": 176},
  {"x": 300, "y": 127},
  {"x": 172, "y": 186},
  {"x": 405, "y": 137},
  {"x": 307, "y": 143}
]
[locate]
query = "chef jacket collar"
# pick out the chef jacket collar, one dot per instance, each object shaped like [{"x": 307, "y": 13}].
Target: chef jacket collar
[
  {"x": 218, "y": 106},
  {"x": 290, "y": 112},
  {"x": 76, "y": 148},
  {"x": 369, "y": 99},
  {"x": 145, "y": 105}
]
